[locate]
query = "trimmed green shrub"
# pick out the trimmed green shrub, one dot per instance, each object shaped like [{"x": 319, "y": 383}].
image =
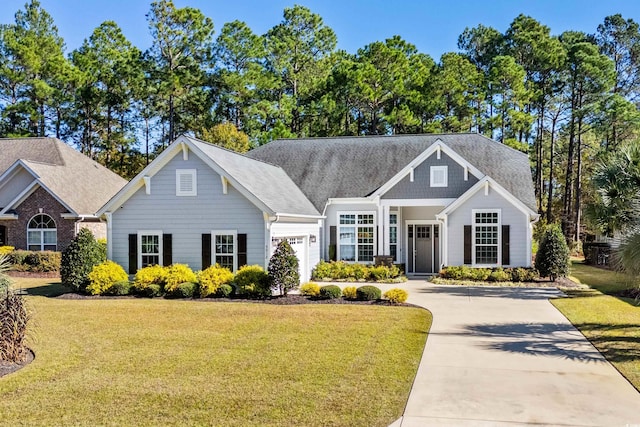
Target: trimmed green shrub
[
  {"x": 212, "y": 279},
  {"x": 368, "y": 293},
  {"x": 342, "y": 271},
  {"x": 284, "y": 274},
  {"x": 480, "y": 274},
  {"x": 360, "y": 272},
  {"x": 147, "y": 276},
  {"x": 521, "y": 274},
  {"x": 103, "y": 276},
  {"x": 310, "y": 289},
  {"x": 330, "y": 291},
  {"x": 349, "y": 292},
  {"x": 396, "y": 295},
  {"x": 177, "y": 274},
  {"x": 119, "y": 288},
  {"x": 499, "y": 275},
  {"x": 79, "y": 258},
  {"x": 322, "y": 270},
  {"x": 224, "y": 291},
  {"x": 35, "y": 261},
  {"x": 552, "y": 259},
  {"x": 182, "y": 290},
  {"x": 252, "y": 281},
  {"x": 150, "y": 291}
]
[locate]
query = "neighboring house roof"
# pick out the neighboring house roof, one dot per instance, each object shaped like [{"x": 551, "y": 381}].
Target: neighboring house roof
[
  {"x": 268, "y": 186},
  {"x": 78, "y": 182},
  {"x": 345, "y": 167}
]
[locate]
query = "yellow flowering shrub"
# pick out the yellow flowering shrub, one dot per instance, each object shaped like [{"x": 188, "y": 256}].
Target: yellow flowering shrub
[
  {"x": 105, "y": 275},
  {"x": 350, "y": 292},
  {"x": 212, "y": 278},
  {"x": 310, "y": 289},
  {"x": 396, "y": 295},
  {"x": 4, "y": 250},
  {"x": 176, "y": 274},
  {"x": 151, "y": 275}
]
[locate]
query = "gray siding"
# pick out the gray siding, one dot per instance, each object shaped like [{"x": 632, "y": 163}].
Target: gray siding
[
  {"x": 420, "y": 187},
  {"x": 14, "y": 186},
  {"x": 516, "y": 219},
  {"x": 187, "y": 218}
]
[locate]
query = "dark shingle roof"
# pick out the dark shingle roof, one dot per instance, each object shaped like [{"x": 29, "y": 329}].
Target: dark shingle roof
[
  {"x": 83, "y": 184},
  {"x": 341, "y": 167}
]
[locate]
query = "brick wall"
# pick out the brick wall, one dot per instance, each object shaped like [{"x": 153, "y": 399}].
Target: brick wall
[{"x": 40, "y": 199}]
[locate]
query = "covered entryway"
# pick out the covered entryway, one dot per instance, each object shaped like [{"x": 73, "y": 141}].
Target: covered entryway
[{"x": 423, "y": 252}]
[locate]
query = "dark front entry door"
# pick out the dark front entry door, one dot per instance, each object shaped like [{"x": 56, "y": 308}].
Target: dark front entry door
[{"x": 424, "y": 248}]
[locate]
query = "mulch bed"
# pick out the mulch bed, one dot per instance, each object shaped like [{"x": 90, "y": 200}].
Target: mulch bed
[{"x": 7, "y": 368}]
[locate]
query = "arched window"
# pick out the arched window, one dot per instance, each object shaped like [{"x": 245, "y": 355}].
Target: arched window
[{"x": 42, "y": 234}]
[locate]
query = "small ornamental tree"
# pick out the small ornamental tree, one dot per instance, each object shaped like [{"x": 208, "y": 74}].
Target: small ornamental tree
[
  {"x": 552, "y": 259},
  {"x": 283, "y": 268},
  {"x": 79, "y": 258}
]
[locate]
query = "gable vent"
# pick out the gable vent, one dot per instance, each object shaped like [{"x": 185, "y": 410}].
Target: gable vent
[{"x": 186, "y": 182}]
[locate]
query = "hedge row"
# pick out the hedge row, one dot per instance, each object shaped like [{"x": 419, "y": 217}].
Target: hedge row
[
  {"x": 363, "y": 293},
  {"x": 346, "y": 272},
  {"x": 34, "y": 261},
  {"x": 497, "y": 274}
]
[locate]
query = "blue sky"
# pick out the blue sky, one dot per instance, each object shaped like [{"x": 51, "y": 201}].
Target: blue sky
[{"x": 433, "y": 26}]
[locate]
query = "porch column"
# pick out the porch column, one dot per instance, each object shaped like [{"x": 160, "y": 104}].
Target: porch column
[{"x": 383, "y": 221}]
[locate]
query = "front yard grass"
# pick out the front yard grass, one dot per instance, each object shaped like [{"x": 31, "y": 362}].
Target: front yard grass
[
  {"x": 611, "y": 323},
  {"x": 158, "y": 362}
]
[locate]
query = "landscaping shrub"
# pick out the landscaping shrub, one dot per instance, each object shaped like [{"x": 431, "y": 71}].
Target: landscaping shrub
[
  {"x": 104, "y": 276},
  {"x": 182, "y": 290},
  {"x": 349, "y": 292},
  {"x": 322, "y": 270},
  {"x": 177, "y": 274},
  {"x": 340, "y": 270},
  {"x": 4, "y": 250},
  {"x": 368, "y": 293},
  {"x": 79, "y": 258},
  {"x": 499, "y": 275},
  {"x": 147, "y": 276},
  {"x": 552, "y": 259},
  {"x": 252, "y": 281},
  {"x": 480, "y": 274},
  {"x": 521, "y": 274},
  {"x": 396, "y": 295},
  {"x": 380, "y": 273},
  {"x": 119, "y": 288},
  {"x": 150, "y": 290},
  {"x": 14, "y": 317},
  {"x": 35, "y": 261},
  {"x": 310, "y": 289},
  {"x": 224, "y": 291},
  {"x": 360, "y": 272},
  {"x": 330, "y": 292},
  {"x": 212, "y": 279},
  {"x": 284, "y": 274}
]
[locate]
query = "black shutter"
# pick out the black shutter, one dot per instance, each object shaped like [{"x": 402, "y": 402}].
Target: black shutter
[
  {"x": 133, "y": 253},
  {"x": 167, "y": 252},
  {"x": 3, "y": 235},
  {"x": 505, "y": 245},
  {"x": 242, "y": 250},
  {"x": 332, "y": 243},
  {"x": 206, "y": 251},
  {"x": 467, "y": 245}
]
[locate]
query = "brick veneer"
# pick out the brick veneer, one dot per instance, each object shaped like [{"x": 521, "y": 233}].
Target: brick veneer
[{"x": 39, "y": 199}]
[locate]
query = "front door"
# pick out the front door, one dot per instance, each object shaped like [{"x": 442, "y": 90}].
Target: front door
[{"x": 424, "y": 248}]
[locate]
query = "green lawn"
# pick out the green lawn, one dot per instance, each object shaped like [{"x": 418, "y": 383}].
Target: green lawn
[
  {"x": 611, "y": 323},
  {"x": 159, "y": 362}
]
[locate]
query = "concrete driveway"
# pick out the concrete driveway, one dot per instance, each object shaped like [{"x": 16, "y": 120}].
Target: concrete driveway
[{"x": 506, "y": 356}]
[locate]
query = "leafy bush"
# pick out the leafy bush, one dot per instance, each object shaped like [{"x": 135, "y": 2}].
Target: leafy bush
[
  {"x": 35, "y": 261},
  {"x": 150, "y": 291},
  {"x": 224, "y": 291},
  {"x": 396, "y": 295},
  {"x": 521, "y": 274},
  {"x": 310, "y": 289},
  {"x": 79, "y": 258},
  {"x": 499, "y": 275},
  {"x": 480, "y": 274},
  {"x": 252, "y": 281},
  {"x": 147, "y": 276},
  {"x": 284, "y": 274},
  {"x": 330, "y": 292},
  {"x": 368, "y": 293},
  {"x": 350, "y": 292},
  {"x": 382, "y": 273},
  {"x": 552, "y": 259},
  {"x": 119, "y": 288},
  {"x": 322, "y": 270},
  {"x": 104, "y": 276},
  {"x": 213, "y": 278},
  {"x": 4, "y": 250},
  {"x": 340, "y": 270},
  {"x": 182, "y": 290},
  {"x": 177, "y": 274}
]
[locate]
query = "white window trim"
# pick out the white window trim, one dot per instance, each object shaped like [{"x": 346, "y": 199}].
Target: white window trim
[
  {"x": 149, "y": 233},
  {"x": 42, "y": 230},
  {"x": 233, "y": 233},
  {"x": 397, "y": 227},
  {"x": 473, "y": 237},
  {"x": 194, "y": 180},
  {"x": 338, "y": 225},
  {"x": 433, "y": 170}
]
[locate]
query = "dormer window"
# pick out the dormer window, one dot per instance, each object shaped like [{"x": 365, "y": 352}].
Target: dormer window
[
  {"x": 186, "y": 182},
  {"x": 439, "y": 176}
]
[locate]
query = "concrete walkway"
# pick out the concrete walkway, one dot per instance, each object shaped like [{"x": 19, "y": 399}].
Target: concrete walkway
[{"x": 506, "y": 356}]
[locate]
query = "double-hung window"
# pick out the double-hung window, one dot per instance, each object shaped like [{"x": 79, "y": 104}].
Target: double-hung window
[
  {"x": 486, "y": 236},
  {"x": 225, "y": 249},
  {"x": 150, "y": 248},
  {"x": 356, "y": 237}
]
